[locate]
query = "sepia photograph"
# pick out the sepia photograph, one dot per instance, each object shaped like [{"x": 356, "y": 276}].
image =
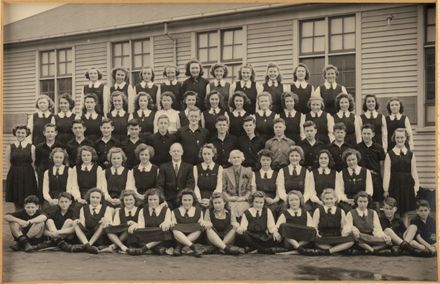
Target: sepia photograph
[{"x": 245, "y": 142}]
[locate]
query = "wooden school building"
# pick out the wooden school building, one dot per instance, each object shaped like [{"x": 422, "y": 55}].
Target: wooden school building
[{"x": 384, "y": 49}]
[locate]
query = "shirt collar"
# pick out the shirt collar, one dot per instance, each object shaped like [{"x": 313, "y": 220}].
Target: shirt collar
[
  {"x": 147, "y": 167},
  {"x": 368, "y": 114},
  {"x": 191, "y": 211},
  {"x": 271, "y": 83},
  {"x": 254, "y": 211},
  {"x": 396, "y": 150},
  {"x": 23, "y": 143},
  {"x": 297, "y": 169},
  {"x": 238, "y": 113},
  {"x": 328, "y": 85},
  {"x": 303, "y": 84},
  {"x": 97, "y": 208},
  {"x": 246, "y": 84},
  {"x": 120, "y": 86},
  {"x": 297, "y": 212},
  {"x": 156, "y": 210},
  {"x": 357, "y": 170},
  {"x": 362, "y": 213},
  {"x": 326, "y": 170},
  {"x": 178, "y": 163},
  {"x": 332, "y": 209},
  {"x": 43, "y": 114},
  {"x": 55, "y": 169},
  {"x": 262, "y": 112},
  {"x": 86, "y": 168},
  {"x": 118, "y": 170},
  {"x": 95, "y": 85},
  {"x": 145, "y": 112},
  {"x": 205, "y": 165},
  {"x": 269, "y": 173},
  {"x": 148, "y": 84},
  {"x": 217, "y": 110},
  {"x": 341, "y": 113},
  {"x": 121, "y": 113},
  {"x": 94, "y": 115},
  {"x": 394, "y": 116},
  {"x": 132, "y": 210},
  {"x": 293, "y": 112},
  {"x": 317, "y": 114},
  {"x": 168, "y": 83},
  {"x": 221, "y": 82},
  {"x": 65, "y": 114}
]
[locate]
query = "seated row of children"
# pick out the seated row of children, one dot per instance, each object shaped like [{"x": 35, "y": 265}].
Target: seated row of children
[{"x": 153, "y": 228}]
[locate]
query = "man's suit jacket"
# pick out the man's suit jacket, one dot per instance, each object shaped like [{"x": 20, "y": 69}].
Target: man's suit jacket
[
  {"x": 172, "y": 185},
  {"x": 244, "y": 183}
]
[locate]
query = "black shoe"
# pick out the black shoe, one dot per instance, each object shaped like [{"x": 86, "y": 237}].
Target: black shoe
[
  {"x": 158, "y": 250},
  {"x": 91, "y": 249},
  {"x": 405, "y": 246},
  {"x": 177, "y": 250},
  {"x": 232, "y": 250},
  {"x": 43, "y": 245},
  {"x": 16, "y": 247},
  {"x": 197, "y": 251},
  {"x": 396, "y": 250},
  {"x": 24, "y": 242},
  {"x": 311, "y": 252},
  {"x": 136, "y": 251},
  {"x": 76, "y": 248},
  {"x": 384, "y": 252},
  {"x": 64, "y": 246}
]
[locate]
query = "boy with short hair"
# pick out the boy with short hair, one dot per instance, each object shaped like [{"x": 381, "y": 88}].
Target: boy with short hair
[
  {"x": 27, "y": 225},
  {"x": 78, "y": 129},
  {"x": 223, "y": 141},
  {"x": 424, "y": 226},
  {"x": 251, "y": 143},
  {"x": 338, "y": 146},
  {"x": 106, "y": 142},
  {"x": 279, "y": 145},
  {"x": 131, "y": 142},
  {"x": 163, "y": 140},
  {"x": 310, "y": 145}
]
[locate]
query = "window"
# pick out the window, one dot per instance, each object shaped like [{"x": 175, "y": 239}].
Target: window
[
  {"x": 341, "y": 33},
  {"x": 430, "y": 66},
  {"x": 56, "y": 69},
  {"x": 140, "y": 53},
  {"x": 221, "y": 46}
]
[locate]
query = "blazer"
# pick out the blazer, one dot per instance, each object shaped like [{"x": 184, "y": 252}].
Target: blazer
[
  {"x": 172, "y": 185},
  {"x": 244, "y": 183}
]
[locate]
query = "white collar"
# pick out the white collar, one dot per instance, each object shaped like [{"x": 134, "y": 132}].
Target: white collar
[
  {"x": 65, "y": 114},
  {"x": 147, "y": 167},
  {"x": 191, "y": 211},
  {"x": 217, "y": 110},
  {"x": 328, "y": 86},
  {"x": 23, "y": 143},
  {"x": 396, "y": 150},
  {"x": 368, "y": 114},
  {"x": 271, "y": 83},
  {"x": 94, "y": 115},
  {"x": 237, "y": 113},
  {"x": 297, "y": 169},
  {"x": 341, "y": 114},
  {"x": 293, "y": 112},
  {"x": 221, "y": 82},
  {"x": 332, "y": 209},
  {"x": 173, "y": 83},
  {"x": 205, "y": 166},
  {"x": 156, "y": 210},
  {"x": 362, "y": 213},
  {"x": 357, "y": 170},
  {"x": 394, "y": 116},
  {"x": 132, "y": 210},
  {"x": 326, "y": 170},
  {"x": 98, "y": 208},
  {"x": 262, "y": 112},
  {"x": 121, "y": 112},
  {"x": 145, "y": 112},
  {"x": 303, "y": 84},
  {"x": 149, "y": 84},
  {"x": 54, "y": 169},
  {"x": 178, "y": 163},
  {"x": 254, "y": 211},
  {"x": 103, "y": 139},
  {"x": 292, "y": 212},
  {"x": 86, "y": 168},
  {"x": 45, "y": 114},
  {"x": 246, "y": 84},
  {"x": 317, "y": 114},
  {"x": 269, "y": 173},
  {"x": 120, "y": 86},
  {"x": 95, "y": 85},
  {"x": 117, "y": 171}
]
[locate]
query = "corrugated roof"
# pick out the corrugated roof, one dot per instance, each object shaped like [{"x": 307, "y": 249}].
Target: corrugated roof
[{"x": 72, "y": 19}]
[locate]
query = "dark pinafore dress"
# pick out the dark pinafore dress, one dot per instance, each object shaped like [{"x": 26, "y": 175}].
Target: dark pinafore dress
[
  {"x": 269, "y": 187},
  {"x": 152, "y": 231},
  {"x": 187, "y": 224},
  {"x": 151, "y": 91},
  {"x": 92, "y": 222},
  {"x": 329, "y": 227},
  {"x": 120, "y": 124},
  {"x": 296, "y": 227},
  {"x": 294, "y": 181},
  {"x": 323, "y": 181},
  {"x": 401, "y": 181},
  {"x": 354, "y": 183},
  {"x": 303, "y": 97},
  {"x": 99, "y": 92},
  {"x": 251, "y": 93},
  {"x": 257, "y": 226},
  {"x": 86, "y": 179},
  {"x": 145, "y": 180},
  {"x": 57, "y": 185},
  {"x": 123, "y": 225},
  {"x": 207, "y": 180},
  {"x": 146, "y": 124},
  {"x": 293, "y": 126},
  {"x": 222, "y": 90},
  {"x": 350, "y": 137},
  {"x": 264, "y": 125},
  {"x": 392, "y": 125},
  {"x": 177, "y": 91},
  {"x": 364, "y": 224},
  {"x": 210, "y": 119},
  {"x": 64, "y": 128},
  {"x": 38, "y": 127},
  {"x": 116, "y": 183},
  {"x": 21, "y": 181},
  {"x": 377, "y": 124},
  {"x": 221, "y": 226},
  {"x": 236, "y": 124},
  {"x": 329, "y": 97},
  {"x": 93, "y": 130},
  {"x": 321, "y": 126},
  {"x": 276, "y": 96}
]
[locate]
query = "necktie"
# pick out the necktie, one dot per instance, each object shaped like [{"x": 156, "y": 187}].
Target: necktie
[
  {"x": 176, "y": 169},
  {"x": 237, "y": 179},
  {"x": 258, "y": 213},
  {"x": 129, "y": 214},
  {"x": 153, "y": 214},
  {"x": 401, "y": 152},
  {"x": 295, "y": 214},
  {"x": 186, "y": 213},
  {"x": 94, "y": 212},
  {"x": 208, "y": 168},
  {"x": 58, "y": 171},
  {"x": 329, "y": 210},
  {"x": 289, "y": 114},
  {"x": 144, "y": 169},
  {"x": 264, "y": 114},
  {"x": 294, "y": 171},
  {"x": 118, "y": 113},
  {"x": 371, "y": 114},
  {"x": 19, "y": 145},
  {"x": 218, "y": 83},
  {"x": 265, "y": 175}
]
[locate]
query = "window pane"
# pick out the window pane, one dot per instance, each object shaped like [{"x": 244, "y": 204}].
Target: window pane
[
  {"x": 315, "y": 66},
  {"x": 146, "y": 46},
  {"x": 203, "y": 55},
  {"x": 137, "y": 47},
  {"x": 69, "y": 68},
  {"x": 319, "y": 28},
  {"x": 430, "y": 16},
  {"x": 51, "y": 69},
  {"x": 336, "y": 42},
  {"x": 227, "y": 53},
  {"x": 213, "y": 54},
  {"x": 213, "y": 39},
  {"x": 347, "y": 70},
  {"x": 117, "y": 51},
  {"x": 61, "y": 55},
  {"x": 349, "y": 25},
  {"x": 125, "y": 48},
  {"x": 44, "y": 71},
  {"x": 233, "y": 72},
  {"x": 349, "y": 41},
  {"x": 146, "y": 60},
  {"x": 52, "y": 57},
  {"x": 137, "y": 61},
  {"x": 62, "y": 68},
  {"x": 125, "y": 62},
  {"x": 430, "y": 34},
  {"x": 69, "y": 55},
  {"x": 237, "y": 52},
  {"x": 228, "y": 37},
  {"x": 307, "y": 29},
  {"x": 307, "y": 45},
  {"x": 238, "y": 36},
  {"x": 430, "y": 73},
  {"x": 44, "y": 57},
  {"x": 319, "y": 44},
  {"x": 47, "y": 88},
  {"x": 336, "y": 26},
  {"x": 64, "y": 86},
  {"x": 203, "y": 40}
]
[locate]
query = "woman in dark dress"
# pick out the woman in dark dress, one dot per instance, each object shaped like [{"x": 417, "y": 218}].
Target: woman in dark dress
[
  {"x": 121, "y": 84},
  {"x": 371, "y": 116},
  {"x": 302, "y": 88},
  {"x": 238, "y": 103},
  {"x": 330, "y": 89},
  {"x": 274, "y": 86},
  {"x": 219, "y": 72},
  {"x": 64, "y": 119},
  {"x": 294, "y": 119},
  {"x": 195, "y": 82},
  {"x": 118, "y": 115},
  {"x": 170, "y": 84},
  {"x": 40, "y": 118},
  {"x": 214, "y": 108},
  {"x": 92, "y": 119},
  {"x": 98, "y": 88},
  {"x": 21, "y": 180},
  {"x": 145, "y": 173},
  {"x": 396, "y": 119},
  {"x": 144, "y": 114},
  {"x": 247, "y": 84},
  {"x": 146, "y": 75},
  {"x": 344, "y": 114}
]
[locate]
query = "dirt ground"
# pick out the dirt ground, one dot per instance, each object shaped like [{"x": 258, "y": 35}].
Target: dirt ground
[{"x": 45, "y": 266}]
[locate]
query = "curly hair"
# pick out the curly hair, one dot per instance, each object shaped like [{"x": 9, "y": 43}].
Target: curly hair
[
  {"x": 188, "y": 66},
  {"x": 307, "y": 77}
]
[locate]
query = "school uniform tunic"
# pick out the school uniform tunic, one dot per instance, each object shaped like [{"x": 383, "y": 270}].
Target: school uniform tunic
[
  {"x": 264, "y": 124},
  {"x": 304, "y": 91},
  {"x": 128, "y": 146},
  {"x": 120, "y": 122},
  {"x": 222, "y": 87},
  {"x": 323, "y": 180},
  {"x": 57, "y": 181},
  {"x": 329, "y": 221},
  {"x": 86, "y": 178},
  {"x": 146, "y": 122},
  {"x": 328, "y": 94},
  {"x": 42, "y": 160},
  {"x": 322, "y": 123},
  {"x": 174, "y": 87},
  {"x": 92, "y": 124},
  {"x": 154, "y": 218},
  {"x": 221, "y": 226},
  {"x": 392, "y": 125},
  {"x": 377, "y": 124},
  {"x": 182, "y": 219},
  {"x": 250, "y": 89},
  {"x": 99, "y": 92},
  {"x": 39, "y": 121},
  {"x": 197, "y": 85},
  {"x": 149, "y": 88},
  {"x": 354, "y": 183},
  {"x": 91, "y": 219},
  {"x": 123, "y": 88},
  {"x": 348, "y": 119},
  {"x": 207, "y": 180},
  {"x": 64, "y": 122},
  {"x": 236, "y": 123},
  {"x": 116, "y": 182},
  {"x": 145, "y": 178},
  {"x": 365, "y": 223},
  {"x": 293, "y": 124},
  {"x": 275, "y": 89},
  {"x": 295, "y": 219},
  {"x": 266, "y": 184},
  {"x": 72, "y": 149},
  {"x": 294, "y": 179}
]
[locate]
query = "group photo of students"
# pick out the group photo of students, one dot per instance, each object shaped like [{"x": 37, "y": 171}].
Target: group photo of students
[{"x": 216, "y": 167}]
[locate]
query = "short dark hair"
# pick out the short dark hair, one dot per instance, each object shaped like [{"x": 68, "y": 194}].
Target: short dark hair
[
  {"x": 127, "y": 192},
  {"x": 88, "y": 149},
  {"x": 50, "y": 124},
  {"x": 249, "y": 118},
  {"x": 242, "y": 95},
  {"x": 142, "y": 94},
  {"x": 264, "y": 153},
  {"x": 368, "y": 126},
  {"x": 154, "y": 191},
  {"x": 363, "y": 194},
  {"x": 65, "y": 194},
  {"x": 188, "y": 65},
  {"x": 257, "y": 194},
  {"x": 390, "y": 201},
  {"x": 422, "y": 203},
  {"x": 303, "y": 66},
  {"x": 186, "y": 191},
  {"x": 21, "y": 126},
  {"x": 309, "y": 123},
  {"x": 340, "y": 126},
  {"x": 221, "y": 118},
  {"x": 392, "y": 100},
  {"x": 208, "y": 97},
  {"x": 68, "y": 98},
  {"x": 92, "y": 190},
  {"x": 95, "y": 98},
  {"x": 106, "y": 120},
  {"x": 341, "y": 96},
  {"x": 331, "y": 161},
  {"x": 219, "y": 65},
  {"x": 97, "y": 70},
  {"x": 32, "y": 199},
  {"x": 349, "y": 152},
  {"x": 286, "y": 95},
  {"x": 78, "y": 121},
  {"x": 364, "y": 105},
  {"x": 133, "y": 122},
  {"x": 216, "y": 195}
]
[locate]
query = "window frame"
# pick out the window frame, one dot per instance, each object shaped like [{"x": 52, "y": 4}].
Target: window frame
[{"x": 428, "y": 46}]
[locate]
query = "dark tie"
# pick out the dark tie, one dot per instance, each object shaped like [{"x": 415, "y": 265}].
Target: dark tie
[
  {"x": 186, "y": 214},
  {"x": 129, "y": 214},
  {"x": 58, "y": 171},
  {"x": 289, "y": 114},
  {"x": 154, "y": 213},
  {"x": 371, "y": 114},
  {"x": 259, "y": 214},
  {"x": 401, "y": 152},
  {"x": 94, "y": 212},
  {"x": 237, "y": 179},
  {"x": 294, "y": 171},
  {"x": 218, "y": 83},
  {"x": 265, "y": 175},
  {"x": 208, "y": 168},
  {"x": 19, "y": 146},
  {"x": 295, "y": 214},
  {"x": 329, "y": 211},
  {"x": 118, "y": 112},
  {"x": 176, "y": 169}
]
